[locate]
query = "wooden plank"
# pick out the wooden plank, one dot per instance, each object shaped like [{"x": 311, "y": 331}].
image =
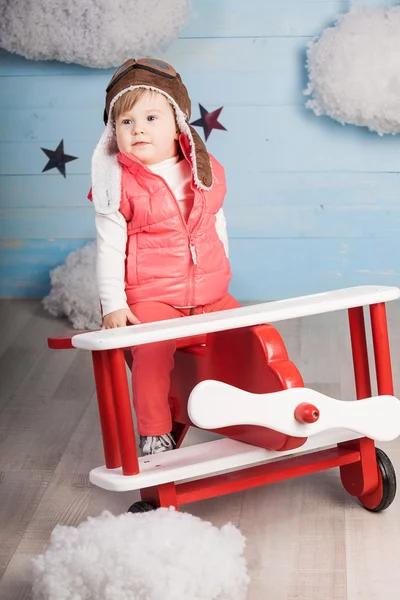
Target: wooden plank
[
  {"x": 282, "y": 268},
  {"x": 334, "y": 191},
  {"x": 42, "y": 124},
  {"x": 304, "y": 528},
  {"x": 294, "y": 139},
  {"x": 208, "y": 19},
  {"x": 77, "y": 385},
  {"x": 55, "y": 222},
  {"x": 16, "y": 584},
  {"x": 22, "y": 90},
  {"x": 25, "y": 265},
  {"x": 26, "y": 441},
  {"x": 69, "y": 499},
  {"x": 263, "y": 268},
  {"x": 325, "y": 361},
  {"x": 27, "y": 158},
  {"x": 31, "y": 286},
  {"x": 373, "y": 541},
  {"x": 314, "y": 222},
  {"x": 20, "y": 495},
  {"x": 38, "y": 191},
  {"x": 218, "y": 71},
  {"x": 227, "y": 18},
  {"x": 316, "y": 144},
  {"x": 85, "y": 449},
  {"x": 24, "y": 352},
  {"x": 260, "y": 221},
  {"x": 39, "y": 253},
  {"x": 49, "y": 370},
  {"x": 14, "y": 315},
  {"x": 17, "y": 66},
  {"x": 229, "y": 72}
]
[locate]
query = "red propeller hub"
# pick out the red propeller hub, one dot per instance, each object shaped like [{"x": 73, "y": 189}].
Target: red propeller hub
[{"x": 306, "y": 413}]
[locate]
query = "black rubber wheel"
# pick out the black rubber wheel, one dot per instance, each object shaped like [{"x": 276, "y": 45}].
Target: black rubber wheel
[
  {"x": 389, "y": 484},
  {"x": 140, "y": 507}
]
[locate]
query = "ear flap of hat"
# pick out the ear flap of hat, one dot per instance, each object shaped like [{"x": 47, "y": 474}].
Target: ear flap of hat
[
  {"x": 202, "y": 171},
  {"x": 106, "y": 174},
  {"x": 201, "y": 161}
]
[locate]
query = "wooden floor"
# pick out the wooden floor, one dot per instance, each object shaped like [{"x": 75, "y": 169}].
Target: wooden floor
[{"x": 307, "y": 539}]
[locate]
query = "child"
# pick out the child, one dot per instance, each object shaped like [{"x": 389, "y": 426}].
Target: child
[{"x": 161, "y": 234}]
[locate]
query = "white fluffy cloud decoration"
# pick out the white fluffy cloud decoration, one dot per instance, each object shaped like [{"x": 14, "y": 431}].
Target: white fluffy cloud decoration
[
  {"x": 95, "y": 33},
  {"x": 354, "y": 69},
  {"x": 74, "y": 293},
  {"x": 158, "y": 555}
]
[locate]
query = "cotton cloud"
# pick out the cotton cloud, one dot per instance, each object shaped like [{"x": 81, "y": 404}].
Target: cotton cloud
[
  {"x": 95, "y": 33},
  {"x": 354, "y": 70},
  {"x": 155, "y": 555},
  {"x": 74, "y": 293}
]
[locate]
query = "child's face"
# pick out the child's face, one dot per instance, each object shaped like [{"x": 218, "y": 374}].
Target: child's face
[{"x": 148, "y": 130}]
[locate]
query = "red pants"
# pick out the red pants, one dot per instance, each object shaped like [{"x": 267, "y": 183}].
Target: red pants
[{"x": 153, "y": 363}]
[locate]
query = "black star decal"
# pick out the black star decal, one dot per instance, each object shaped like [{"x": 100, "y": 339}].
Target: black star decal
[
  {"x": 57, "y": 158},
  {"x": 209, "y": 120}
]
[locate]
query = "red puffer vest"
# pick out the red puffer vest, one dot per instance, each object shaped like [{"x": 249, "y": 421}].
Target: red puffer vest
[{"x": 168, "y": 260}]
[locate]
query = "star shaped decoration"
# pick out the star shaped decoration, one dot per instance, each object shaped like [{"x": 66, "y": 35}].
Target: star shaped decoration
[
  {"x": 209, "y": 120},
  {"x": 57, "y": 158}
]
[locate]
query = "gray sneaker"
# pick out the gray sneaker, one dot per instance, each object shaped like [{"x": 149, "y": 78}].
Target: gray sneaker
[{"x": 153, "y": 444}]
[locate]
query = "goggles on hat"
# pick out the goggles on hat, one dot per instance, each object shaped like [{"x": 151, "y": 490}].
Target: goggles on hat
[{"x": 154, "y": 65}]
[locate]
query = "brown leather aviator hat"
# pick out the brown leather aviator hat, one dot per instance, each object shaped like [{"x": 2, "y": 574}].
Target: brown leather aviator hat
[{"x": 152, "y": 74}]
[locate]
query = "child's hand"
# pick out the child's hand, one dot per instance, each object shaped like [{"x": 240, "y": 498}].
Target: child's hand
[{"x": 119, "y": 318}]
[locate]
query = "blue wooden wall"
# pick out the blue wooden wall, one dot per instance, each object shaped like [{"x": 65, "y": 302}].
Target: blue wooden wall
[{"x": 311, "y": 205}]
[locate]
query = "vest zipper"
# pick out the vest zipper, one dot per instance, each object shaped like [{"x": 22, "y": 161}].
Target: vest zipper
[
  {"x": 192, "y": 249},
  {"x": 193, "y": 252}
]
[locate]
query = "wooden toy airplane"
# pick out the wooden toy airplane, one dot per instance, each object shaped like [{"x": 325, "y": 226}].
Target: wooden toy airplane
[{"x": 233, "y": 376}]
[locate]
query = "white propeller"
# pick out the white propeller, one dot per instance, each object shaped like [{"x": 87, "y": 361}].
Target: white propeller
[{"x": 299, "y": 412}]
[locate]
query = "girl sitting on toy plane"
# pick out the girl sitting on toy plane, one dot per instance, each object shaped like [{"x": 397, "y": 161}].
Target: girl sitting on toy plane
[{"x": 162, "y": 249}]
